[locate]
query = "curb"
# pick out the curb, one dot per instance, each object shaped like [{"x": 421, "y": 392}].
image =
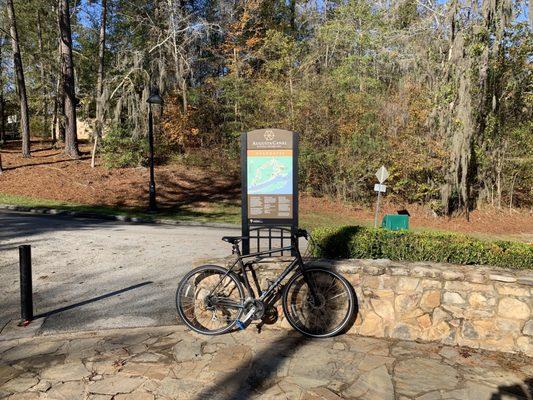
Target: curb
[{"x": 114, "y": 217}]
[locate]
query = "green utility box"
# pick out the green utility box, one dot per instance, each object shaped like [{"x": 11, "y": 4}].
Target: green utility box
[{"x": 395, "y": 222}]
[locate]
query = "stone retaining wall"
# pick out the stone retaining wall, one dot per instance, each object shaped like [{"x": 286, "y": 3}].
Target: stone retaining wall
[{"x": 472, "y": 306}]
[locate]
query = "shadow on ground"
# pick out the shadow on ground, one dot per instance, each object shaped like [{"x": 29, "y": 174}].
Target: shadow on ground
[
  {"x": 518, "y": 392},
  {"x": 22, "y": 225},
  {"x": 92, "y": 300}
]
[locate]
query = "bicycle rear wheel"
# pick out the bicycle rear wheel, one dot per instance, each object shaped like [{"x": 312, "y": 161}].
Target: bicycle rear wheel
[
  {"x": 210, "y": 300},
  {"x": 326, "y": 314}
]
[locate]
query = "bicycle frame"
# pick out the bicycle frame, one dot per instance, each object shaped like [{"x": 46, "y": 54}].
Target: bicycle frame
[{"x": 294, "y": 264}]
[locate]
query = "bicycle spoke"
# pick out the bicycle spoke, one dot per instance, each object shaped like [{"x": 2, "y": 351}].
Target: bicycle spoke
[
  {"x": 323, "y": 312},
  {"x": 207, "y": 312}
]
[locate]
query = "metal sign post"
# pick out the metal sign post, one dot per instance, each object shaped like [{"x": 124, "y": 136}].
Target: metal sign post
[
  {"x": 269, "y": 179},
  {"x": 382, "y": 174}
]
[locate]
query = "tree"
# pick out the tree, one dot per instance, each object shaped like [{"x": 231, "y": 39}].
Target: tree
[
  {"x": 2, "y": 126},
  {"x": 100, "y": 112},
  {"x": 473, "y": 98},
  {"x": 21, "y": 84},
  {"x": 42, "y": 72},
  {"x": 68, "y": 83}
]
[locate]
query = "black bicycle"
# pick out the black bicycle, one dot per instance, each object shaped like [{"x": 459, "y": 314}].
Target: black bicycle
[{"x": 316, "y": 301}]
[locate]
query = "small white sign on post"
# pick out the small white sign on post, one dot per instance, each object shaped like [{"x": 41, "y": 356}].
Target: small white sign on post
[
  {"x": 382, "y": 174},
  {"x": 378, "y": 187}
]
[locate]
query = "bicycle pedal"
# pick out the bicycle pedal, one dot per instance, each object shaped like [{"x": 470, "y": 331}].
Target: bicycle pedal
[{"x": 241, "y": 325}]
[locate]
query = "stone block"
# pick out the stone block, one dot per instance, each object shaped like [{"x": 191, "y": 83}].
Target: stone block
[
  {"x": 467, "y": 287},
  {"x": 384, "y": 293},
  {"x": 407, "y": 284},
  {"x": 387, "y": 282},
  {"x": 453, "y": 298},
  {"x": 429, "y": 284},
  {"x": 485, "y": 329},
  {"x": 383, "y": 308},
  {"x": 374, "y": 270},
  {"x": 430, "y": 300},
  {"x": 396, "y": 270},
  {"x": 438, "y": 331},
  {"x": 468, "y": 331},
  {"x": 424, "y": 321},
  {"x": 512, "y": 290},
  {"x": 505, "y": 344},
  {"x": 451, "y": 275},
  {"x": 372, "y": 325},
  {"x": 475, "y": 277},
  {"x": 371, "y": 282},
  {"x": 187, "y": 350},
  {"x": 440, "y": 315},
  {"x": 513, "y": 308},
  {"x": 480, "y": 300},
  {"x": 526, "y": 280},
  {"x": 507, "y": 325},
  {"x": 436, "y": 376},
  {"x": 406, "y": 302},
  {"x": 404, "y": 331},
  {"x": 454, "y": 310},
  {"x": 528, "y": 328},
  {"x": 410, "y": 314},
  {"x": 525, "y": 345},
  {"x": 475, "y": 313},
  {"x": 424, "y": 272},
  {"x": 502, "y": 278}
]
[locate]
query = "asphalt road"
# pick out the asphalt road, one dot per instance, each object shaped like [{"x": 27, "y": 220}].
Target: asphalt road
[{"x": 91, "y": 274}]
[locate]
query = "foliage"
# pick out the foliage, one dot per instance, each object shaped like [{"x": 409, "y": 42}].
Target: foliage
[
  {"x": 439, "y": 92},
  {"x": 121, "y": 150},
  {"x": 362, "y": 242}
]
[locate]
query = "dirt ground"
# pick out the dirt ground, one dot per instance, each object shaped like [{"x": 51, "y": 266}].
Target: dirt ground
[{"x": 51, "y": 175}]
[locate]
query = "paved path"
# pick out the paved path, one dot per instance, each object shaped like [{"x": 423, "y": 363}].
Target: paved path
[
  {"x": 100, "y": 274},
  {"x": 172, "y": 363}
]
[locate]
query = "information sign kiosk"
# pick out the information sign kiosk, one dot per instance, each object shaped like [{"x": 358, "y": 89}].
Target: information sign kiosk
[{"x": 269, "y": 178}]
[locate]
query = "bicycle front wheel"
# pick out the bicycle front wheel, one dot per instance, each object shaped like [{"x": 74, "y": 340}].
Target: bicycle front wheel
[
  {"x": 326, "y": 313},
  {"x": 210, "y": 300}
]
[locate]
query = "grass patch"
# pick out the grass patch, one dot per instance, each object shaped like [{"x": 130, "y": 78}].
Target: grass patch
[
  {"x": 363, "y": 242},
  {"x": 220, "y": 212}
]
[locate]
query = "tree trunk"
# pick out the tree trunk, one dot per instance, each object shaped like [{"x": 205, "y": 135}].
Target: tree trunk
[
  {"x": 21, "y": 84},
  {"x": 54, "y": 116},
  {"x": 2, "y": 116},
  {"x": 67, "y": 72},
  {"x": 292, "y": 7},
  {"x": 100, "y": 84},
  {"x": 183, "y": 84},
  {"x": 42, "y": 71}
]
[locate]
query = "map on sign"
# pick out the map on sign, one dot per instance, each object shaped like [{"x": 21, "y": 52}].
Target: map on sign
[{"x": 269, "y": 175}]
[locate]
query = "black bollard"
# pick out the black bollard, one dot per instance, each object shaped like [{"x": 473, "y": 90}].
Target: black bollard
[{"x": 26, "y": 295}]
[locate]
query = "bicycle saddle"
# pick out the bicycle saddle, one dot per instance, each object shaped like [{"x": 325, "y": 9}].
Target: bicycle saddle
[{"x": 233, "y": 239}]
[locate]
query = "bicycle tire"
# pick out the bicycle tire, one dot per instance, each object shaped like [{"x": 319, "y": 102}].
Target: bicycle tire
[
  {"x": 184, "y": 285},
  {"x": 295, "y": 307}
]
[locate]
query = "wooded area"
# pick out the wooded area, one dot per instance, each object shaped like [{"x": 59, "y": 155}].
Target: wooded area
[{"x": 440, "y": 92}]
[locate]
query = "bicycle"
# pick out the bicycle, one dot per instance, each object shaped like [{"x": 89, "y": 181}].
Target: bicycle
[{"x": 316, "y": 301}]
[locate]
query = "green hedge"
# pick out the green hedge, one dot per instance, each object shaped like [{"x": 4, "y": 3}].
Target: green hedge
[{"x": 360, "y": 242}]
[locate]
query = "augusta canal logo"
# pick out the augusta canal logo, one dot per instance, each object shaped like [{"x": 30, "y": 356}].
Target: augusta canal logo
[{"x": 269, "y": 135}]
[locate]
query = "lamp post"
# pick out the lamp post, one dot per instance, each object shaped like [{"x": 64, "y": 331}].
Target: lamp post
[{"x": 154, "y": 98}]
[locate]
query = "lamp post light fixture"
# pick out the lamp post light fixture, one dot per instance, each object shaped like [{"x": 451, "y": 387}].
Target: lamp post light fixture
[{"x": 154, "y": 98}]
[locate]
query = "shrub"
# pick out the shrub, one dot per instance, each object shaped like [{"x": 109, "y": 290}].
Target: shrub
[
  {"x": 120, "y": 149},
  {"x": 361, "y": 242}
]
